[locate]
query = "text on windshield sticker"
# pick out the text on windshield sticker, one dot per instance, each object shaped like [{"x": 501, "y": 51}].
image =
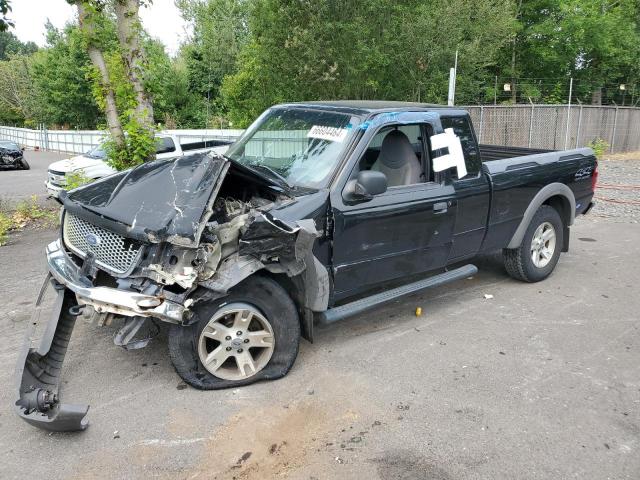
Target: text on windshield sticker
[{"x": 332, "y": 134}]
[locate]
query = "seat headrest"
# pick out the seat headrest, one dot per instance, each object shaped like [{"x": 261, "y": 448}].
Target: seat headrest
[{"x": 396, "y": 150}]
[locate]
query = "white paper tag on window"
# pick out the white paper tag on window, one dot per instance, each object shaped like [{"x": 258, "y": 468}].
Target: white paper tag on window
[
  {"x": 333, "y": 134},
  {"x": 455, "y": 157}
]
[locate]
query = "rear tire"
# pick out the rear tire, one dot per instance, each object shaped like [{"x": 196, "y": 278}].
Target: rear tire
[
  {"x": 251, "y": 334},
  {"x": 538, "y": 254}
]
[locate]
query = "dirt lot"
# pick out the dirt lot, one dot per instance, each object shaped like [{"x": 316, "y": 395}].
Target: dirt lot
[{"x": 540, "y": 382}]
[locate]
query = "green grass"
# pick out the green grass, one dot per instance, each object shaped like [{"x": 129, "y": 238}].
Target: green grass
[{"x": 25, "y": 213}]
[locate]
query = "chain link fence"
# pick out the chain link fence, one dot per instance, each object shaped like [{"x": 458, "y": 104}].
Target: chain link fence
[
  {"x": 553, "y": 127},
  {"x": 557, "y": 127}
]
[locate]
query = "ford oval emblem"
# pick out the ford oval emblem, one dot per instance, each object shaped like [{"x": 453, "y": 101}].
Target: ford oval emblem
[{"x": 92, "y": 239}]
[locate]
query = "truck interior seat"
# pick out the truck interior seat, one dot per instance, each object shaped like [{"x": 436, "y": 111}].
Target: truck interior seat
[{"x": 398, "y": 161}]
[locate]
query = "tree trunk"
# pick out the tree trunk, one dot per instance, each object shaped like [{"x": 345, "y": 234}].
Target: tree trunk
[
  {"x": 129, "y": 28},
  {"x": 596, "y": 96},
  {"x": 97, "y": 58},
  {"x": 111, "y": 110}
]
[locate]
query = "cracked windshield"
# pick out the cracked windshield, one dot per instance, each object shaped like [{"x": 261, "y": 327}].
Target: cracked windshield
[{"x": 297, "y": 146}]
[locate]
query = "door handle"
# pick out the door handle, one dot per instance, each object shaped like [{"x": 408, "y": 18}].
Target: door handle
[{"x": 440, "y": 207}]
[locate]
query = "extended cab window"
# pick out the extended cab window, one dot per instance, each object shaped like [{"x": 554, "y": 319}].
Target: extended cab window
[
  {"x": 462, "y": 128},
  {"x": 398, "y": 152}
]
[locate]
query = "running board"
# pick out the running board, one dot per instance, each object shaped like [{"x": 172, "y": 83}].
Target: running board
[{"x": 359, "y": 306}]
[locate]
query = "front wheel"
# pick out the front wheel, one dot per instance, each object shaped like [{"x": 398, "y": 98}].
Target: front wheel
[
  {"x": 24, "y": 165},
  {"x": 251, "y": 334},
  {"x": 538, "y": 254}
]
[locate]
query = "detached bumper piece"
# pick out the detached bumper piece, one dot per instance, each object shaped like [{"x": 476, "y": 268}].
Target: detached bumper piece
[{"x": 38, "y": 369}]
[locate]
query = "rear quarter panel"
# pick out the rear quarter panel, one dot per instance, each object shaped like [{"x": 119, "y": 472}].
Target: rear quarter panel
[{"x": 515, "y": 182}]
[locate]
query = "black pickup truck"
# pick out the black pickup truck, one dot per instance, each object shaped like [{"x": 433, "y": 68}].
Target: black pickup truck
[{"x": 318, "y": 212}]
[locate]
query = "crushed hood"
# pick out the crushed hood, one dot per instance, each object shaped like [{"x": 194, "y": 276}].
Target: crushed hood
[{"x": 164, "y": 200}]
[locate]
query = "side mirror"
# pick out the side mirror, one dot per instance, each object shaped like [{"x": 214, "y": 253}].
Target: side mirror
[{"x": 366, "y": 185}]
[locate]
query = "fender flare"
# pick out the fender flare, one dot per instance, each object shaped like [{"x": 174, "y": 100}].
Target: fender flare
[{"x": 551, "y": 190}]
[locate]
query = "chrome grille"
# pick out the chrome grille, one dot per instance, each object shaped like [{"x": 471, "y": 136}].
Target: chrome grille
[
  {"x": 113, "y": 252},
  {"x": 57, "y": 178}
]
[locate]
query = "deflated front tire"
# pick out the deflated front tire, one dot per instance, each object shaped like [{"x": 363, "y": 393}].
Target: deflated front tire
[{"x": 251, "y": 334}]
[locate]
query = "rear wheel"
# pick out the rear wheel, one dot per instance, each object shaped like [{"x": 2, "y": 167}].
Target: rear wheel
[
  {"x": 251, "y": 334},
  {"x": 538, "y": 254}
]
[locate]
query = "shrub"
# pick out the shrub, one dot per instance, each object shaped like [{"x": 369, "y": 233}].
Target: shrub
[
  {"x": 599, "y": 147},
  {"x": 76, "y": 179}
]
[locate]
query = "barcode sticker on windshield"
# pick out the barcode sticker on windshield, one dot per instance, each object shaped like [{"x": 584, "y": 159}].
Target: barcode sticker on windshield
[{"x": 333, "y": 134}]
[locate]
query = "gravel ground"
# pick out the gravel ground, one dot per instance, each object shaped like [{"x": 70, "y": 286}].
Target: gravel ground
[
  {"x": 539, "y": 382},
  {"x": 618, "y": 192}
]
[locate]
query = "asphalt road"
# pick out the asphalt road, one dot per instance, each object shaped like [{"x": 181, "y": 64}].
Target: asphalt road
[
  {"x": 21, "y": 184},
  {"x": 540, "y": 382}
]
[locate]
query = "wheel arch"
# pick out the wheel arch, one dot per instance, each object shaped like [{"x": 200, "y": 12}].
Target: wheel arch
[
  {"x": 295, "y": 289},
  {"x": 309, "y": 290},
  {"x": 556, "y": 195}
]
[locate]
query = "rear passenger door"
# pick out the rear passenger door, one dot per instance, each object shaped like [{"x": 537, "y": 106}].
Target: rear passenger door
[{"x": 472, "y": 192}]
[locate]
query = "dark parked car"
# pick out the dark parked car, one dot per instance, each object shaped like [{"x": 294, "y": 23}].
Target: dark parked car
[
  {"x": 11, "y": 156},
  {"x": 318, "y": 212}
]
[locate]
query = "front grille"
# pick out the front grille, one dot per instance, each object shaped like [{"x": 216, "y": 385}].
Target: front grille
[
  {"x": 113, "y": 252},
  {"x": 57, "y": 178}
]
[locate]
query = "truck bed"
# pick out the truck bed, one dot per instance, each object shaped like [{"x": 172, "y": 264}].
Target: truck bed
[
  {"x": 499, "y": 152},
  {"x": 499, "y": 159}
]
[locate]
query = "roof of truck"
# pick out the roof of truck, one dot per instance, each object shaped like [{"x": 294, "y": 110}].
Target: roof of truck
[{"x": 362, "y": 107}]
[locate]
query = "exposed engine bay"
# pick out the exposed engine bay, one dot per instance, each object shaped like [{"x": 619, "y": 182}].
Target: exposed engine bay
[{"x": 239, "y": 236}]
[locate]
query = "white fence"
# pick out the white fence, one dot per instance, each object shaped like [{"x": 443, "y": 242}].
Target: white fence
[
  {"x": 81, "y": 141},
  {"x": 555, "y": 127}
]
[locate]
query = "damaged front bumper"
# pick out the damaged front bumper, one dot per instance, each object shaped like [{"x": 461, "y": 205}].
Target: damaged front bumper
[
  {"x": 106, "y": 299},
  {"x": 39, "y": 366},
  {"x": 38, "y": 369}
]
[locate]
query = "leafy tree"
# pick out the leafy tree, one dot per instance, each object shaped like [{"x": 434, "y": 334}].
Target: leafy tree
[
  {"x": 10, "y": 45},
  {"x": 17, "y": 94},
  {"x": 119, "y": 74},
  {"x": 5, "y": 22},
  {"x": 167, "y": 81},
  {"x": 364, "y": 49},
  {"x": 220, "y": 32},
  {"x": 596, "y": 42},
  {"x": 60, "y": 80}
]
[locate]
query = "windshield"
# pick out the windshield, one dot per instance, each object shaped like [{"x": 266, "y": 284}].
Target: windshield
[
  {"x": 97, "y": 152},
  {"x": 8, "y": 144},
  {"x": 301, "y": 146}
]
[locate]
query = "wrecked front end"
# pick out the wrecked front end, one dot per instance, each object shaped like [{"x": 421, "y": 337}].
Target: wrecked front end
[
  {"x": 147, "y": 245},
  {"x": 11, "y": 157}
]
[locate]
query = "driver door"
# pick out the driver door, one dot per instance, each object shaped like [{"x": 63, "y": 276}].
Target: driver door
[{"x": 403, "y": 232}]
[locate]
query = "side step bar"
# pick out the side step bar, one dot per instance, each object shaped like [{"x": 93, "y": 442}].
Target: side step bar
[{"x": 359, "y": 306}]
